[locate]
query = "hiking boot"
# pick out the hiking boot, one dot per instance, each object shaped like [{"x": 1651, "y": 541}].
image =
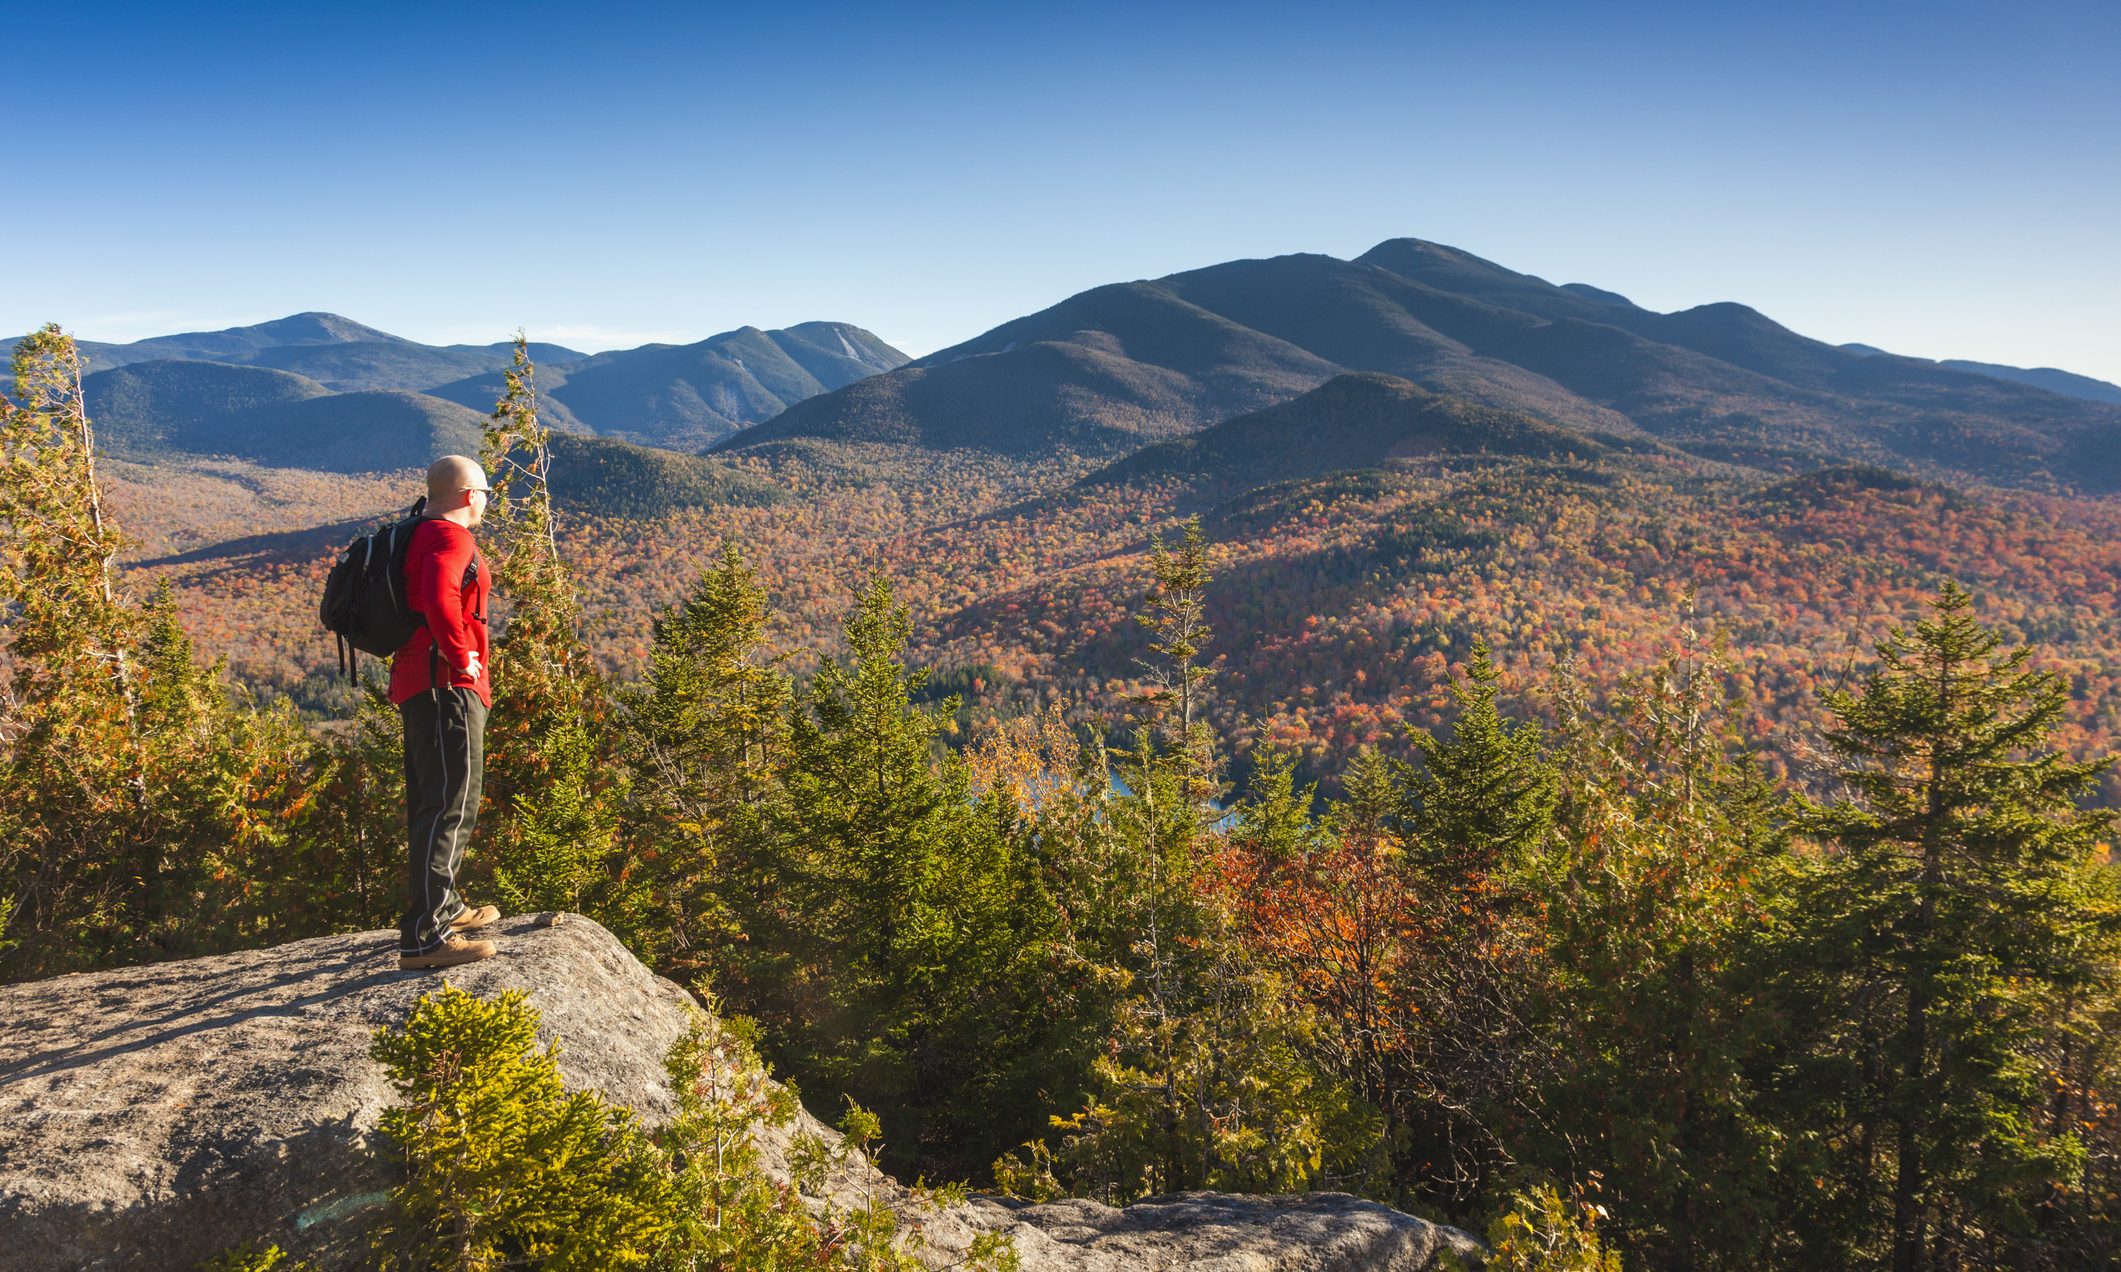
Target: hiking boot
[
  {"x": 452, "y": 952},
  {"x": 473, "y": 919}
]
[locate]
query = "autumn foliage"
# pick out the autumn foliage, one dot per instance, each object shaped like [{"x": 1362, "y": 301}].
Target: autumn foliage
[{"x": 1639, "y": 863}]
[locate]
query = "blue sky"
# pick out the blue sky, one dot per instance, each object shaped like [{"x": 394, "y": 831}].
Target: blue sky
[{"x": 1941, "y": 180}]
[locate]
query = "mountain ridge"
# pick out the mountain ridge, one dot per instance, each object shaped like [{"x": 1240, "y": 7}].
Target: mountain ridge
[
  {"x": 186, "y": 392},
  {"x": 1135, "y": 363},
  {"x": 1353, "y": 421},
  {"x": 688, "y": 396}
]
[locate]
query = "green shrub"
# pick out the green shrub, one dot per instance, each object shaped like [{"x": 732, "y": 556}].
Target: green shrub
[
  {"x": 249, "y": 1257},
  {"x": 1542, "y": 1231},
  {"x": 504, "y": 1167}
]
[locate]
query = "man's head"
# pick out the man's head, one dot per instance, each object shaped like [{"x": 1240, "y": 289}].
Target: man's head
[{"x": 457, "y": 490}]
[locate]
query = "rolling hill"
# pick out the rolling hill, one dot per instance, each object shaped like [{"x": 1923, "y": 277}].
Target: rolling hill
[
  {"x": 1359, "y": 420},
  {"x": 144, "y": 409},
  {"x": 150, "y": 410},
  {"x": 604, "y": 477}
]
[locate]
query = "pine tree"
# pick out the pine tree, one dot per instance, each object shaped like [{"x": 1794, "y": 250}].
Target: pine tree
[
  {"x": 1178, "y": 674},
  {"x": 923, "y": 926},
  {"x": 865, "y": 791},
  {"x": 501, "y": 1166},
  {"x": 1485, "y": 798},
  {"x": 1472, "y": 813},
  {"x": 1951, "y": 915},
  {"x": 143, "y": 807},
  {"x": 1274, "y": 822},
  {"x": 551, "y": 788},
  {"x": 549, "y": 672},
  {"x": 1643, "y": 1001},
  {"x": 705, "y": 735},
  {"x": 228, "y": 811},
  {"x": 352, "y": 874},
  {"x": 1210, "y": 1076}
]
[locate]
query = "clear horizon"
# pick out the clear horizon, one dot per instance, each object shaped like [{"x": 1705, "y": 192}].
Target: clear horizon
[{"x": 1938, "y": 181}]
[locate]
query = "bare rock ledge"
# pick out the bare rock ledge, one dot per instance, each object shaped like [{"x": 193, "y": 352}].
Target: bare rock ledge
[{"x": 152, "y": 1116}]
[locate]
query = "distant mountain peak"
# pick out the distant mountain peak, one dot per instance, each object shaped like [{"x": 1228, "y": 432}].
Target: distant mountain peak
[
  {"x": 311, "y": 327},
  {"x": 1600, "y": 294},
  {"x": 1411, "y": 246}
]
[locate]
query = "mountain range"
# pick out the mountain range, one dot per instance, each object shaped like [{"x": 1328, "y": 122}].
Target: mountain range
[
  {"x": 338, "y": 353},
  {"x": 2067, "y": 383},
  {"x": 1110, "y": 370},
  {"x": 1391, "y": 455},
  {"x": 1117, "y": 367},
  {"x": 687, "y": 396},
  {"x": 319, "y": 391}
]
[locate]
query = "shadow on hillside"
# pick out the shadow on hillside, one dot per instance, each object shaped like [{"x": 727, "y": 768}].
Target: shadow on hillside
[{"x": 255, "y": 550}]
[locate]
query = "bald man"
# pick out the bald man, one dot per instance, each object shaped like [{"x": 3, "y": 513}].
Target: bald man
[{"x": 438, "y": 680}]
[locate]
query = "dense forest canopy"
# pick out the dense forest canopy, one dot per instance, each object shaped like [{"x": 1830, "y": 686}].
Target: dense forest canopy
[{"x": 1630, "y": 858}]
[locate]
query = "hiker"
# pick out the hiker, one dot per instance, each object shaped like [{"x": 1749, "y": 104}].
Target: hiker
[{"x": 438, "y": 679}]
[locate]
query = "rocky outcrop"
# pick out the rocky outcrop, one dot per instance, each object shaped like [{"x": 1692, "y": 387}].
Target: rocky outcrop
[{"x": 152, "y": 1116}]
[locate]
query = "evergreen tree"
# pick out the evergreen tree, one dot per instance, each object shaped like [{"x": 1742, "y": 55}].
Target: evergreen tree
[
  {"x": 1177, "y": 674},
  {"x": 352, "y": 872},
  {"x": 1484, "y": 799},
  {"x": 1274, "y": 821},
  {"x": 551, "y": 788},
  {"x": 921, "y": 916},
  {"x": 549, "y": 666},
  {"x": 502, "y": 1166},
  {"x": 866, "y": 793},
  {"x": 1644, "y": 1002},
  {"x": 705, "y": 736},
  {"x": 1473, "y": 813},
  {"x": 229, "y": 816},
  {"x": 1937, "y": 940},
  {"x": 1209, "y": 1077}
]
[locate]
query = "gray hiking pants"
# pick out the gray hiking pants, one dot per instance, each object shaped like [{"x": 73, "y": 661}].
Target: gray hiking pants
[{"x": 445, "y": 758}]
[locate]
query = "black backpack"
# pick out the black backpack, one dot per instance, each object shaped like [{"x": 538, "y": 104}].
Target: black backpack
[{"x": 364, "y": 604}]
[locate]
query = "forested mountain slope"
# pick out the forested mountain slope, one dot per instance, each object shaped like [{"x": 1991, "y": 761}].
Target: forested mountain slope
[
  {"x": 688, "y": 396},
  {"x": 168, "y": 409},
  {"x": 1106, "y": 370},
  {"x": 190, "y": 393}
]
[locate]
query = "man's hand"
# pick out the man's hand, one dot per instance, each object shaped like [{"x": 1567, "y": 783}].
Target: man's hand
[{"x": 471, "y": 664}]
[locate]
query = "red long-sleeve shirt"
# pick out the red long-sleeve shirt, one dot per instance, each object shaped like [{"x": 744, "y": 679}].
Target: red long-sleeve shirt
[{"x": 445, "y": 580}]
